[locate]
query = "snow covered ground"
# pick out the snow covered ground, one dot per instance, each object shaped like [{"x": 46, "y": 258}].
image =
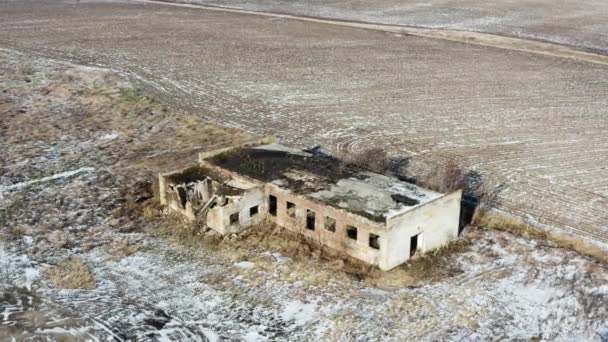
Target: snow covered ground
[{"x": 78, "y": 145}]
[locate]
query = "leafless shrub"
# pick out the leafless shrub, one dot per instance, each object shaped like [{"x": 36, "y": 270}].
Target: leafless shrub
[
  {"x": 377, "y": 160},
  {"x": 488, "y": 195},
  {"x": 446, "y": 177},
  {"x": 374, "y": 159},
  {"x": 71, "y": 274}
]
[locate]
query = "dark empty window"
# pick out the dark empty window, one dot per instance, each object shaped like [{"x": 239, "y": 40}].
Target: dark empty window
[
  {"x": 330, "y": 224},
  {"x": 272, "y": 205},
  {"x": 374, "y": 241},
  {"x": 310, "y": 219},
  {"x": 234, "y": 218},
  {"x": 291, "y": 209},
  {"x": 253, "y": 211},
  {"x": 351, "y": 232}
]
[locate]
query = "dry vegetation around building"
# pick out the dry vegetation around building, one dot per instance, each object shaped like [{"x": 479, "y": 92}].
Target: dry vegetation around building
[
  {"x": 86, "y": 254},
  {"x": 534, "y": 123}
]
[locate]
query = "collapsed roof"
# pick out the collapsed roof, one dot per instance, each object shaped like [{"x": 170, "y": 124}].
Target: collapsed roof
[{"x": 327, "y": 180}]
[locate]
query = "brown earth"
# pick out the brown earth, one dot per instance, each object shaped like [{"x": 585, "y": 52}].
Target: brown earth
[
  {"x": 581, "y": 24},
  {"x": 535, "y": 123},
  {"x": 75, "y": 183}
]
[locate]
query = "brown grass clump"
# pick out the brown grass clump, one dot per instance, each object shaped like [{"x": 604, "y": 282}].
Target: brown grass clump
[
  {"x": 437, "y": 264},
  {"x": 137, "y": 196},
  {"x": 71, "y": 273},
  {"x": 121, "y": 249},
  {"x": 175, "y": 228},
  {"x": 57, "y": 238},
  {"x": 12, "y": 233}
]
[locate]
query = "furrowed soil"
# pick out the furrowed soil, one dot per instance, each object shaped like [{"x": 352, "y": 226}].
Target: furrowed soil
[
  {"x": 580, "y": 24},
  {"x": 86, "y": 255},
  {"x": 534, "y": 124}
]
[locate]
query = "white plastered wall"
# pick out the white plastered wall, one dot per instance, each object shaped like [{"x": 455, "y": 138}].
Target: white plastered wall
[{"x": 436, "y": 222}]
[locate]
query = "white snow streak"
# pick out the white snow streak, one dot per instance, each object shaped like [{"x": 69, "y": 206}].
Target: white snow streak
[
  {"x": 46, "y": 179},
  {"x": 244, "y": 264}
]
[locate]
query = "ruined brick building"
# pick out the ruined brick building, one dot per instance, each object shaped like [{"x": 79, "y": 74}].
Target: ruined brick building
[{"x": 378, "y": 219}]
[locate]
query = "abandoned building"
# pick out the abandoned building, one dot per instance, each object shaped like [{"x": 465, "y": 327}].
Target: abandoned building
[{"x": 374, "y": 218}]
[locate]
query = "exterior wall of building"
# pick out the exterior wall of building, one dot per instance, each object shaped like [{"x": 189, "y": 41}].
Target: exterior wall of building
[
  {"x": 385, "y": 244},
  {"x": 338, "y": 239},
  {"x": 435, "y": 223},
  {"x": 170, "y": 199},
  {"x": 219, "y": 217},
  {"x": 162, "y": 186}
]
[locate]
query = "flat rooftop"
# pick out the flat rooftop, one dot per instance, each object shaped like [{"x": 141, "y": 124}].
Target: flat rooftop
[{"x": 326, "y": 180}]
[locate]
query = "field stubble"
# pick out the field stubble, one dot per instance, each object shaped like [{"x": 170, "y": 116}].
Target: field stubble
[
  {"x": 93, "y": 230},
  {"x": 535, "y": 124}
]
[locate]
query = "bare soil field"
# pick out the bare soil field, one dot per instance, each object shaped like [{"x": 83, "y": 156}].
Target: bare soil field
[
  {"x": 85, "y": 255},
  {"x": 579, "y": 24},
  {"x": 538, "y": 124}
]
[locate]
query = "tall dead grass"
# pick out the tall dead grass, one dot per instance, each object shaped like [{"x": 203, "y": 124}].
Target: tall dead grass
[{"x": 512, "y": 224}]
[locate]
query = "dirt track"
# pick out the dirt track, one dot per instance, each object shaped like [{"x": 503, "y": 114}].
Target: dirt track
[
  {"x": 477, "y": 38},
  {"x": 538, "y": 122},
  {"x": 83, "y": 145},
  {"x": 582, "y": 24}
]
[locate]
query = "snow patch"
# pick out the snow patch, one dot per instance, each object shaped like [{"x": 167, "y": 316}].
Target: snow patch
[
  {"x": 280, "y": 258},
  {"x": 46, "y": 179},
  {"x": 299, "y": 312},
  {"x": 109, "y": 136},
  {"x": 244, "y": 264},
  {"x": 253, "y": 336},
  {"x": 30, "y": 274},
  {"x": 28, "y": 240}
]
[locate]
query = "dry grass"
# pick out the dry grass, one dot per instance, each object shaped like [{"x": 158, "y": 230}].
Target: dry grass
[
  {"x": 506, "y": 222},
  {"x": 136, "y": 196},
  {"x": 268, "y": 237},
  {"x": 122, "y": 248},
  {"x": 487, "y": 193},
  {"x": 9, "y": 214},
  {"x": 57, "y": 238},
  {"x": 472, "y": 128},
  {"x": 12, "y": 233},
  {"x": 71, "y": 273},
  {"x": 437, "y": 264}
]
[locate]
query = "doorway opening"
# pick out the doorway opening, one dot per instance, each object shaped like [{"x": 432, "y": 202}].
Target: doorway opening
[
  {"x": 413, "y": 245},
  {"x": 272, "y": 205}
]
